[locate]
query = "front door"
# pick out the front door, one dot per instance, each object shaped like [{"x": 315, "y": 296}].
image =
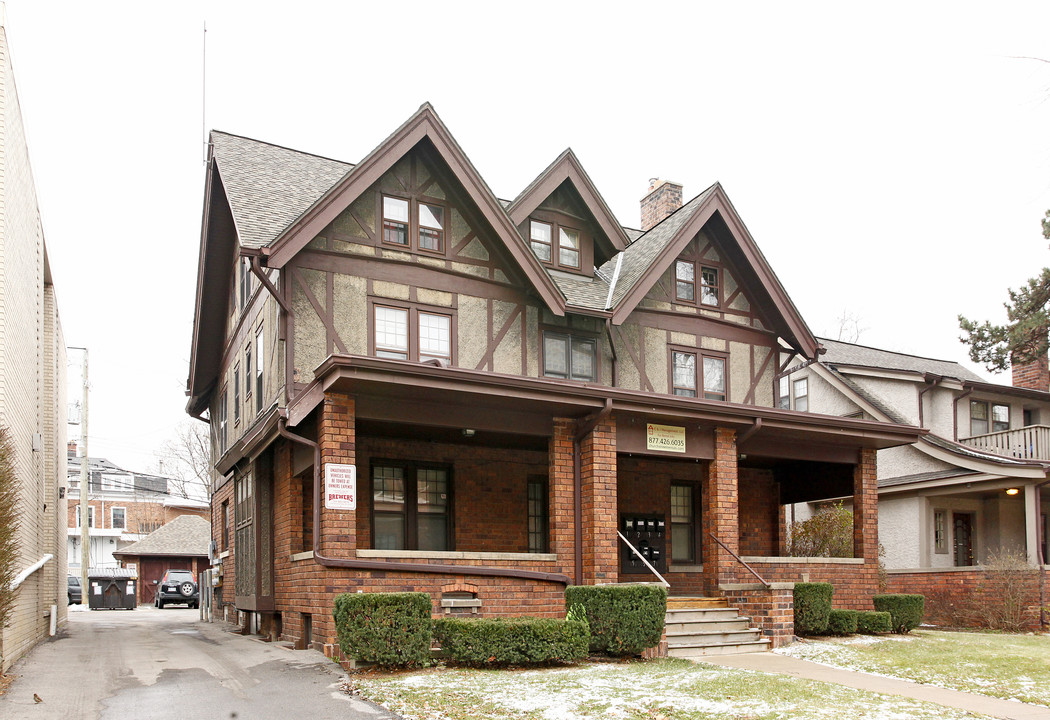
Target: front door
[{"x": 963, "y": 539}]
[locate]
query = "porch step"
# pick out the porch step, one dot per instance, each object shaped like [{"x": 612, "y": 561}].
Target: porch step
[{"x": 696, "y": 627}]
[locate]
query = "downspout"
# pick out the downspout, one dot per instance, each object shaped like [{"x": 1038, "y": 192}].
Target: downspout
[
  {"x": 955, "y": 414},
  {"x": 930, "y": 385},
  {"x": 612, "y": 348},
  {"x": 583, "y": 427},
  {"x": 386, "y": 565}
]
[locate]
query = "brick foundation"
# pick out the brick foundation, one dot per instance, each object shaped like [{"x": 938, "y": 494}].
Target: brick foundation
[
  {"x": 771, "y": 609},
  {"x": 954, "y": 598}
]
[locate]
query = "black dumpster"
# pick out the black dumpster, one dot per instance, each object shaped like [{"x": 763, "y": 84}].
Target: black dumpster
[{"x": 111, "y": 589}]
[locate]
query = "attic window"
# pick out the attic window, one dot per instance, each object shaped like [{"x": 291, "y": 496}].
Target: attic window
[
  {"x": 431, "y": 228},
  {"x": 559, "y": 246},
  {"x": 540, "y": 235},
  {"x": 395, "y": 220},
  {"x": 685, "y": 272}
]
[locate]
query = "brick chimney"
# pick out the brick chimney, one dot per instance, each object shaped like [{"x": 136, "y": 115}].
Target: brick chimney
[
  {"x": 663, "y": 198},
  {"x": 1033, "y": 375}
]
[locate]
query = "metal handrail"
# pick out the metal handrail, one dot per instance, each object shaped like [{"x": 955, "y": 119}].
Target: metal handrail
[
  {"x": 642, "y": 558},
  {"x": 739, "y": 560}
]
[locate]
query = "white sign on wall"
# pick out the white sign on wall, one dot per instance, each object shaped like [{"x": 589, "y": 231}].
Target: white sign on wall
[{"x": 340, "y": 487}]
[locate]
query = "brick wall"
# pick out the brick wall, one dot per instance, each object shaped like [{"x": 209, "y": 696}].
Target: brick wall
[
  {"x": 854, "y": 583},
  {"x": 760, "y": 513},
  {"x": 721, "y": 513},
  {"x": 959, "y": 598},
  {"x": 866, "y": 508},
  {"x": 771, "y": 609},
  {"x": 598, "y": 475},
  {"x": 223, "y": 594}
]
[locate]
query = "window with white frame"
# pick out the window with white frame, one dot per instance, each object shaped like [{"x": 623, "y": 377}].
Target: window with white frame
[
  {"x": 784, "y": 393},
  {"x": 412, "y": 333},
  {"x": 802, "y": 394},
  {"x": 118, "y": 518},
  {"x": 91, "y": 516},
  {"x": 429, "y": 222},
  {"x": 685, "y": 275}
]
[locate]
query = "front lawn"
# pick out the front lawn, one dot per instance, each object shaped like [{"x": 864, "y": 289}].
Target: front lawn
[
  {"x": 1013, "y": 667},
  {"x": 655, "y": 690}
]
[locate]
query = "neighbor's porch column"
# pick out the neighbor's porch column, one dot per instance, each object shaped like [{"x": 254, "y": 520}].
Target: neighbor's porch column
[
  {"x": 336, "y": 434},
  {"x": 866, "y": 508},
  {"x": 598, "y": 479},
  {"x": 721, "y": 510},
  {"x": 1031, "y": 523}
]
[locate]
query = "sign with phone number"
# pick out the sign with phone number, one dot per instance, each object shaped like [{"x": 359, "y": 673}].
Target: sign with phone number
[{"x": 668, "y": 438}]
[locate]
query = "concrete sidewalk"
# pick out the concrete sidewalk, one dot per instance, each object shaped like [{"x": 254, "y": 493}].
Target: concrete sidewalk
[{"x": 784, "y": 665}]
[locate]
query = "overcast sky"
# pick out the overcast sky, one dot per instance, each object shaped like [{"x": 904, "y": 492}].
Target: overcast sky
[{"x": 892, "y": 162}]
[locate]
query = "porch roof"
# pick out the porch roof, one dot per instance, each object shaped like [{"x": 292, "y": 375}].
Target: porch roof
[{"x": 428, "y": 394}]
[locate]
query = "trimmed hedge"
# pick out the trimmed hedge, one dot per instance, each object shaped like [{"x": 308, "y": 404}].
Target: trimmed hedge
[
  {"x": 390, "y": 629},
  {"x": 623, "y": 619},
  {"x": 512, "y": 641},
  {"x": 905, "y": 611},
  {"x": 812, "y": 608},
  {"x": 842, "y": 622},
  {"x": 870, "y": 622}
]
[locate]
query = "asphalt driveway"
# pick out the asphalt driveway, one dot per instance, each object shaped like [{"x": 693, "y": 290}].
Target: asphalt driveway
[{"x": 160, "y": 664}]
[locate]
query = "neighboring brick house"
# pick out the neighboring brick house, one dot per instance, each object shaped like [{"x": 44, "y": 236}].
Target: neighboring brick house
[
  {"x": 32, "y": 386},
  {"x": 513, "y": 382},
  {"x": 124, "y": 507},
  {"x": 181, "y": 544},
  {"x": 960, "y": 494}
]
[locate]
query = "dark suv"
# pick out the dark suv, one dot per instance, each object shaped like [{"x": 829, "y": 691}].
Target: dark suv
[
  {"x": 177, "y": 586},
  {"x": 73, "y": 592}
]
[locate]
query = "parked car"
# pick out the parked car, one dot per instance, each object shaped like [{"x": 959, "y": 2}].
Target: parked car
[
  {"x": 73, "y": 592},
  {"x": 177, "y": 586}
]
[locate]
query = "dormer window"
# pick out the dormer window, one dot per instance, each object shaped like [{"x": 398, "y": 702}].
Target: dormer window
[
  {"x": 558, "y": 246},
  {"x": 398, "y": 223},
  {"x": 685, "y": 283}
]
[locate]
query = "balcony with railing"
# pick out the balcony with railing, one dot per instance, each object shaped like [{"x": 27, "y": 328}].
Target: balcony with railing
[{"x": 1028, "y": 443}]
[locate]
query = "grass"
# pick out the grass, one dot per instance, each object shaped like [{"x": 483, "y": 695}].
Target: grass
[
  {"x": 655, "y": 690},
  {"x": 1013, "y": 667}
]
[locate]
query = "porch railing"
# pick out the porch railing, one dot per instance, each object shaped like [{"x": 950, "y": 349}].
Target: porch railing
[
  {"x": 1028, "y": 443},
  {"x": 740, "y": 560},
  {"x": 642, "y": 558}
]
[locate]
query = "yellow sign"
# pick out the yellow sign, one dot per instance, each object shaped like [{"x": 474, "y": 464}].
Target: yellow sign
[{"x": 668, "y": 438}]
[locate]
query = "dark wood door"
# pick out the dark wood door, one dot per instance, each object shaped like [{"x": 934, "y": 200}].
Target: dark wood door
[
  {"x": 151, "y": 569},
  {"x": 963, "y": 539}
]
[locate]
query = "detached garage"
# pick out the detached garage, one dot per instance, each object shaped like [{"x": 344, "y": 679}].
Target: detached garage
[{"x": 182, "y": 544}]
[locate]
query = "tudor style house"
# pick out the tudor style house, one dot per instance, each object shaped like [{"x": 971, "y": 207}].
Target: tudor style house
[
  {"x": 967, "y": 490},
  {"x": 415, "y": 385}
]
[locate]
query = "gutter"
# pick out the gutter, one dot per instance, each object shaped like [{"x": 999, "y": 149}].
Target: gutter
[
  {"x": 387, "y": 565},
  {"x": 24, "y": 575}
]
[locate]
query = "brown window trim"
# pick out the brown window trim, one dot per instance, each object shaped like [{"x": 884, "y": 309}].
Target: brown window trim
[
  {"x": 545, "y": 533},
  {"x": 413, "y": 309},
  {"x": 700, "y": 354},
  {"x": 557, "y": 221},
  {"x": 248, "y": 375},
  {"x": 699, "y": 265},
  {"x": 571, "y": 333},
  {"x": 412, "y": 527},
  {"x": 413, "y": 227}
]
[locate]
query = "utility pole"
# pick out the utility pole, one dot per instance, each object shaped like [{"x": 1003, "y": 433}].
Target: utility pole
[{"x": 85, "y": 476}]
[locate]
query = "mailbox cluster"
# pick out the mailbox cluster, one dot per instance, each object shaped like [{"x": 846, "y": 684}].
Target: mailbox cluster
[{"x": 648, "y": 534}]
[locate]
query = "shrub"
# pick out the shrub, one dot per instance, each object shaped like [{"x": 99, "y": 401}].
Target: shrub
[
  {"x": 812, "y": 608},
  {"x": 9, "y": 518},
  {"x": 623, "y": 619},
  {"x": 829, "y": 533},
  {"x": 388, "y": 629},
  {"x": 905, "y": 611},
  {"x": 842, "y": 622},
  {"x": 512, "y": 641},
  {"x": 870, "y": 622},
  {"x": 1006, "y": 598}
]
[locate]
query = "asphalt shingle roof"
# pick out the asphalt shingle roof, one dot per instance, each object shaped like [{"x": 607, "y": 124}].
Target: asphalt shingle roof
[
  {"x": 185, "y": 535},
  {"x": 268, "y": 186},
  {"x": 841, "y": 353},
  {"x": 926, "y": 476}
]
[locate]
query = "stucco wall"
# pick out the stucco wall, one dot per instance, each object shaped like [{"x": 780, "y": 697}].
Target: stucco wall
[{"x": 900, "y": 520}]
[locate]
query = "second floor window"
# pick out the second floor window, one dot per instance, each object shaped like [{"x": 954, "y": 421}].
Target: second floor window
[
  {"x": 118, "y": 518},
  {"x": 988, "y": 417},
  {"x": 570, "y": 357},
  {"x": 258, "y": 370},
  {"x": 91, "y": 516},
  {"x": 429, "y": 224},
  {"x": 802, "y": 395},
  {"x": 555, "y": 245},
  {"x": 784, "y": 393},
  {"x": 222, "y": 420},
  {"x": 236, "y": 394},
  {"x": 408, "y": 333},
  {"x": 685, "y": 380}
]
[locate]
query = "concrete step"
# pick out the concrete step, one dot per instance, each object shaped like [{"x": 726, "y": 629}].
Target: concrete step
[
  {"x": 712, "y": 637},
  {"x": 736, "y": 624},
  {"x": 700, "y": 615},
  {"x": 682, "y": 601},
  {"x": 705, "y": 650}
]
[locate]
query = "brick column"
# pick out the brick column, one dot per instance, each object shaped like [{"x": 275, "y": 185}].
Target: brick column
[
  {"x": 560, "y": 494},
  {"x": 721, "y": 513},
  {"x": 336, "y": 436},
  {"x": 866, "y": 508},
  {"x": 598, "y": 475}
]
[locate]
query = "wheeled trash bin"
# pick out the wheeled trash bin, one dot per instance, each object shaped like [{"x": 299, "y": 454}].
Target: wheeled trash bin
[{"x": 111, "y": 589}]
